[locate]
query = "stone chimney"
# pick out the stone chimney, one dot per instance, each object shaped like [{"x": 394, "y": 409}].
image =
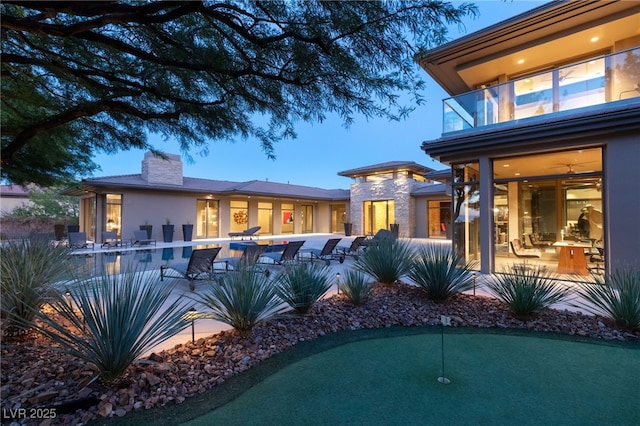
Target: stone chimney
[{"x": 162, "y": 171}]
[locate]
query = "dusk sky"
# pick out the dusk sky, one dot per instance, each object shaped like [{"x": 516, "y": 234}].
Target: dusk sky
[{"x": 321, "y": 150}]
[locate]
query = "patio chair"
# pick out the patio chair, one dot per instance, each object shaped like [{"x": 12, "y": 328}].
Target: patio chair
[
  {"x": 327, "y": 253},
  {"x": 250, "y": 256},
  {"x": 353, "y": 249},
  {"x": 288, "y": 255},
  {"x": 78, "y": 240},
  {"x": 251, "y": 232},
  {"x": 200, "y": 263},
  {"x": 110, "y": 240},
  {"x": 382, "y": 234},
  {"x": 140, "y": 239}
]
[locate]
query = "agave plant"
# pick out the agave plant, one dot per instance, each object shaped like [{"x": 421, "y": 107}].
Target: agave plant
[
  {"x": 527, "y": 291},
  {"x": 241, "y": 298},
  {"x": 615, "y": 296},
  {"x": 441, "y": 271},
  {"x": 114, "y": 320},
  {"x": 356, "y": 286},
  {"x": 301, "y": 285},
  {"x": 29, "y": 269},
  {"x": 387, "y": 260}
]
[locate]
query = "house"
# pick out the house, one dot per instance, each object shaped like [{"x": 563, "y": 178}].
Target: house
[
  {"x": 160, "y": 194},
  {"x": 399, "y": 193},
  {"x": 543, "y": 125},
  {"x": 12, "y": 196}
]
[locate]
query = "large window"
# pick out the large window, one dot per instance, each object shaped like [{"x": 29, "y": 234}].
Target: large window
[
  {"x": 439, "y": 219},
  {"x": 287, "y": 218},
  {"x": 466, "y": 210},
  {"x": 378, "y": 215},
  {"x": 552, "y": 203},
  {"x": 239, "y": 211}
]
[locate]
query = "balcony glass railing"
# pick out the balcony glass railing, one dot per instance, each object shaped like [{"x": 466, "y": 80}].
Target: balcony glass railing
[{"x": 599, "y": 80}]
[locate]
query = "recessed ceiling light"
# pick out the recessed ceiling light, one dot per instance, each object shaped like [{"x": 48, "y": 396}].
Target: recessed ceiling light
[
  {"x": 594, "y": 39},
  {"x": 517, "y": 173},
  {"x": 505, "y": 165},
  {"x": 520, "y": 61}
]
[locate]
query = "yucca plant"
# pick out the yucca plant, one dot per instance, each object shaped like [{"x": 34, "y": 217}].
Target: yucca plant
[
  {"x": 527, "y": 290},
  {"x": 356, "y": 285},
  {"x": 441, "y": 271},
  {"x": 387, "y": 260},
  {"x": 301, "y": 285},
  {"x": 615, "y": 296},
  {"x": 241, "y": 298},
  {"x": 29, "y": 268},
  {"x": 114, "y": 320}
]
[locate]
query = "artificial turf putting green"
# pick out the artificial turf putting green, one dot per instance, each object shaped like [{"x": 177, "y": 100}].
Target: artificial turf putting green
[{"x": 389, "y": 377}]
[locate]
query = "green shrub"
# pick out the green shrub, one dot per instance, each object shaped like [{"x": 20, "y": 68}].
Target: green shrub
[
  {"x": 356, "y": 286},
  {"x": 387, "y": 260},
  {"x": 29, "y": 268},
  {"x": 241, "y": 298},
  {"x": 615, "y": 296},
  {"x": 115, "y": 319},
  {"x": 527, "y": 291},
  {"x": 302, "y": 285},
  {"x": 441, "y": 271}
]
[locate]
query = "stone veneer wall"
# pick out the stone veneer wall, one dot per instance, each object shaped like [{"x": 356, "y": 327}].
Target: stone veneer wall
[
  {"x": 398, "y": 190},
  {"x": 164, "y": 171}
]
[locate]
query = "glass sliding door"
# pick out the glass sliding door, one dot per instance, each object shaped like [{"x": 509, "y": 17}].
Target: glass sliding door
[
  {"x": 378, "y": 215},
  {"x": 114, "y": 214},
  {"x": 265, "y": 218},
  {"x": 307, "y": 218},
  {"x": 207, "y": 213}
]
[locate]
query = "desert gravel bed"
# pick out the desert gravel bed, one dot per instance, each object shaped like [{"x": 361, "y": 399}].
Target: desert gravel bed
[{"x": 35, "y": 376}]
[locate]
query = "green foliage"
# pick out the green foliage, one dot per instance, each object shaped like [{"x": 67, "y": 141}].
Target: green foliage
[
  {"x": 302, "y": 285},
  {"x": 241, "y": 298},
  {"x": 29, "y": 268},
  {"x": 91, "y": 76},
  {"x": 387, "y": 260},
  {"x": 615, "y": 296},
  {"x": 441, "y": 271},
  {"x": 356, "y": 286},
  {"x": 527, "y": 290},
  {"x": 48, "y": 203},
  {"x": 114, "y": 320}
]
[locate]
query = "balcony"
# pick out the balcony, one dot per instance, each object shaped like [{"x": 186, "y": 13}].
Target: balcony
[{"x": 598, "y": 80}]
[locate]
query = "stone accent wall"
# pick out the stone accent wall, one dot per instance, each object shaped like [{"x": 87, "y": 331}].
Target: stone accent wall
[
  {"x": 397, "y": 189},
  {"x": 163, "y": 171}
]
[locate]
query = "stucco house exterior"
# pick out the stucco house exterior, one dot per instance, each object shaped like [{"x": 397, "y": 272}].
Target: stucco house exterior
[
  {"x": 401, "y": 193},
  {"x": 542, "y": 134}
]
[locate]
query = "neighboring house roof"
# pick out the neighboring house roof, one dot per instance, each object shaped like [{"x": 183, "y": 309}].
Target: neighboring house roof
[
  {"x": 15, "y": 191},
  {"x": 221, "y": 187},
  {"x": 389, "y": 166}
]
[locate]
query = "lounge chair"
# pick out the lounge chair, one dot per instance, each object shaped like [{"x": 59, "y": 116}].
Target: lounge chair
[
  {"x": 140, "y": 239},
  {"x": 327, "y": 253},
  {"x": 382, "y": 234},
  {"x": 288, "y": 255},
  {"x": 354, "y": 249},
  {"x": 251, "y": 232},
  {"x": 78, "y": 240},
  {"x": 250, "y": 256},
  {"x": 110, "y": 240},
  {"x": 200, "y": 263}
]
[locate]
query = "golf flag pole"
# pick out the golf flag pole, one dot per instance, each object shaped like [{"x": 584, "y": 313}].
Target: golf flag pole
[{"x": 444, "y": 321}]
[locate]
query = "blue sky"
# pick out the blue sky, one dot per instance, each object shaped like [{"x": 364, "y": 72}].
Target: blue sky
[{"x": 321, "y": 150}]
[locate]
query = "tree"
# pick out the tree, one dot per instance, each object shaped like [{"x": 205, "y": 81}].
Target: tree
[{"x": 81, "y": 77}]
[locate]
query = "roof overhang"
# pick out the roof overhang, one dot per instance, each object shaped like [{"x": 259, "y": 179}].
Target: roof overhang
[{"x": 472, "y": 60}]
